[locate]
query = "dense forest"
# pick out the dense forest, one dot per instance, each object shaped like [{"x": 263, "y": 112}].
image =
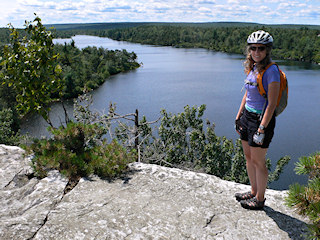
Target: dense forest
[
  {"x": 90, "y": 67},
  {"x": 293, "y": 42}
]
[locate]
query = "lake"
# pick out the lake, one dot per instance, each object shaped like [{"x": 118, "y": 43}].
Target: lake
[{"x": 172, "y": 78}]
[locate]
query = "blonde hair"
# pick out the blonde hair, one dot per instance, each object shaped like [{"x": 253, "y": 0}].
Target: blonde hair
[{"x": 249, "y": 63}]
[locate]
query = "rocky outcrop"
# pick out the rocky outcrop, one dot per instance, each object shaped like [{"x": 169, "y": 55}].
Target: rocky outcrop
[
  {"x": 25, "y": 201},
  {"x": 152, "y": 202}
]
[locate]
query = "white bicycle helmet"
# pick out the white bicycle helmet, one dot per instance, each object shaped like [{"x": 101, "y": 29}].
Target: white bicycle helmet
[{"x": 260, "y": 37}]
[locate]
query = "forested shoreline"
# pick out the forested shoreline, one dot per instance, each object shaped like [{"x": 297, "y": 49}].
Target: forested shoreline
[
  {"x": 294, "y": 44},
  {"x": 291, "y": 42},
  {"x": 88, "y": 68}
]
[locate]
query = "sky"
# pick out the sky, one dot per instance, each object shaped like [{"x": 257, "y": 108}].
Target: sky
[{"x": 91, "y": 11}]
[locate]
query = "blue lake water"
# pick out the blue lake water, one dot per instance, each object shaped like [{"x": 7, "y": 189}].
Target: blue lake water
[{"x": 172, "y": 78}]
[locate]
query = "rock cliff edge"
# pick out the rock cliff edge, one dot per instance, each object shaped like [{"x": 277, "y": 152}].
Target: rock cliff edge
[{"x": 152, "y": 202}]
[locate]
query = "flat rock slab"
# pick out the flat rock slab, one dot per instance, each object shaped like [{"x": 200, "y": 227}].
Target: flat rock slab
[
  {"x": 163, "y": 203},
  {"x": 153, "y": 202}
]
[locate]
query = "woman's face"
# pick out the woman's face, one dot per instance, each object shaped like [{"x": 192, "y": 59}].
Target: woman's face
[{"x": 258, "y": 52}]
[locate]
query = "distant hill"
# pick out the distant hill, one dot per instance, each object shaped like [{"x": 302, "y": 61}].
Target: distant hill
[{"x": 105, "y": 26}]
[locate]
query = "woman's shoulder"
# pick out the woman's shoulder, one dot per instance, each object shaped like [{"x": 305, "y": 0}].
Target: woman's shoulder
[
  {"x": 273, "y": 69},
  {"x": 272, "y": 74}
]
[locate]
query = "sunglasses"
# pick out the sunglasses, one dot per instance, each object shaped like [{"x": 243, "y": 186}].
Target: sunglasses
[{"x": 260, "y": 49}]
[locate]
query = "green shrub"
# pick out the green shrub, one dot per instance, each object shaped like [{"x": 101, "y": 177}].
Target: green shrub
[
  {"x": 78, "y": 150},
  {"x": 306, "y": 199},
  {"x": 7, "y": 134},
  {"x": 112, "y": 160}
]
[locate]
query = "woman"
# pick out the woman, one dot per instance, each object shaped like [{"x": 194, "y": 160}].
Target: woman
[{"x": 255, "y": 121}]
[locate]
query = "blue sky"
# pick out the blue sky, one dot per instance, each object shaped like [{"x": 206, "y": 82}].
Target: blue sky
[{"x": 89, "y": 11}]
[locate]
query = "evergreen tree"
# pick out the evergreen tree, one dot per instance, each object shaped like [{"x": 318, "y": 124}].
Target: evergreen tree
[{"x": 306, "y": 199}]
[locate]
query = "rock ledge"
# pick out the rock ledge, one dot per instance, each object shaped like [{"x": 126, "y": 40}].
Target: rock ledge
[{"x": 153, "y": 202}]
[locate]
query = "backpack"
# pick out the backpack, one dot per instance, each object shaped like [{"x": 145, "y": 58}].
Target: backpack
[{"x": 283, "y": 93}]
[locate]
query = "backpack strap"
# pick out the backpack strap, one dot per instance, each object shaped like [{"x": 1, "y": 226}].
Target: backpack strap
[{"x": 261, "y": 89}]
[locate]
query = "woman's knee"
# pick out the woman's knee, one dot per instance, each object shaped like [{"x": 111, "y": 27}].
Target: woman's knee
[
  {"x": 258, "y": 156},
  {"x": 248, "y": 158},
  {"x": 251, "y": 162},
  {"x": 246, "y": 150},
  {"x": 259, "y": 162}
]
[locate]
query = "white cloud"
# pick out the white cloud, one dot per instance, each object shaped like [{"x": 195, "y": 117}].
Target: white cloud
[
  {"x": 292, "y": 4},
  {"x": 30, "y": 3},
  {"x": 6, "y": 11},
  {"x": 204, "y": 9},
  {"x": 233, "y": 2},
  {"x": 210, "y": 2},
  {"x": 310, "y": 13}
]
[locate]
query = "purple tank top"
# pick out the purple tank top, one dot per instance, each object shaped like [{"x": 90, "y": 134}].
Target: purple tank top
[{"x": 254, "y": 100}]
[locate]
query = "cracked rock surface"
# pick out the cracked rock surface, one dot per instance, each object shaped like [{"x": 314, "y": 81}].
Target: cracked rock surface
[{"x": 152, "y": 202}]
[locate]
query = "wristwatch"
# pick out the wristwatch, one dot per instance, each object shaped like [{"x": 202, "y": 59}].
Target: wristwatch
[{"x": 262, "y": 127}]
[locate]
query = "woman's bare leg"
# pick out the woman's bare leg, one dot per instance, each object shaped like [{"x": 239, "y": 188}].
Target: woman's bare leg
[
  {"x": 258, "y": 157},
  {"x": 251, "y": 169}
]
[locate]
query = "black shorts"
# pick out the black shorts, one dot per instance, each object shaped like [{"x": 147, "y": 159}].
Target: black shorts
[{"x": 250, "y": 123}]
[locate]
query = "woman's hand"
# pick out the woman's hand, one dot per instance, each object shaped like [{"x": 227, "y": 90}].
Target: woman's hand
[
  {"x": 237, "y": 126},
  {"x": 258, "y": 138}
]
